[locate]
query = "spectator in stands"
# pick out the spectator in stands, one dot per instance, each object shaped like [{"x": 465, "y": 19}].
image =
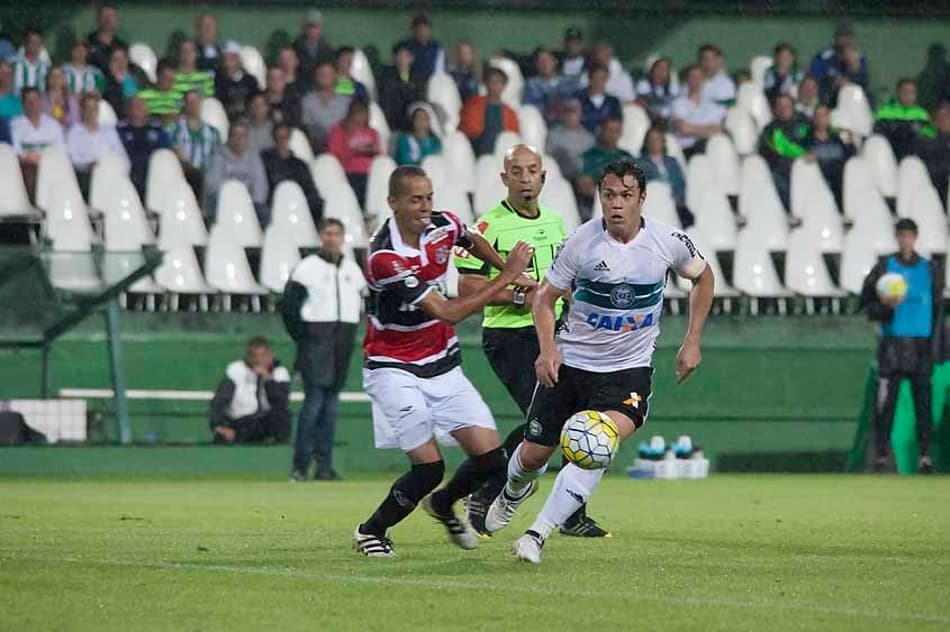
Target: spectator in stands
[
  {"x": 808, "y": 99},
  {"x": 141, "y": 138},
  {"x": 909, "y": 327},
  {"x": 321, "y": 310},
  {"x": 619, "y": 83},
  {"x": 902, "y": 121},
  {"x": 428, "y": 56},
  {"x": 10, "y": 105},
  {"x": 209, "y": 49},
  {"x": 288, "y": 61},
  {"x": 104, "y": 39},
  {"x": 695, "y": 119},
  {"x": 483, "y": 118},
  {"x": 195, "y": 142},
  {"x": 251, "y": 404},
  {"x": 656, "y": 92},
  {"x": 237, "y": 161},
  {"x": 466, "y": 70},
  {"x": 87, "y": 141},
  {"x": 413, "y": 145},
  {"x": 121, "y": 83},
  {"x": 660, "y": 166},
  {"x": 596, "y": 158},
  {"x": 838, "y": 64},
  {"x": 310, "y": 47},
  {"x": 783, "y": 75},
  {"x": 547, "y": 88},
  {"x": 574, "y": 56},
  {"x": 935, "y": 151},
  {"x": 322, "y": 108},
  {"x": 284, "y": 105},
  {"x": 399, "y": 87},
  {"x": 163, "y": 102},
  {"x": 831, "y": 149},
  {"x": 718, "y": 87},
  {"x": 355, "y": 144},
  {"x": 188, "y": 76},
  {"x": 233, "y": 86},
  {"x": 933, "y": 82},
  {"x": 345, "y": 83},
  {"x": 596, "y": 105},
  {"x": 781, "y": 143},
  {"x": 569, "y": 140},
  {"x": 57, "y": 101},
  {"x": 32, "y": 132},
  {"x": 29, "y": 68},
  {"x": 259, "y": 123},
  {"x": 80, "y": 76},
  {"x": 5, "y": 136},
  {"x": 280, "y": 164},
  {"x": 7, "y": 49}
]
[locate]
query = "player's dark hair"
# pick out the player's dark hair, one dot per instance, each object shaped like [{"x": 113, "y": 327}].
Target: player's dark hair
[
  {"x": 331, "y": 221},
  {"x": 257, "y": 342},
  {"x": 400, "y": 175},
  {"x": 623, "y": 167},
  {"x": 654, "y": 129},
  {"x": 906, "y": 224}
]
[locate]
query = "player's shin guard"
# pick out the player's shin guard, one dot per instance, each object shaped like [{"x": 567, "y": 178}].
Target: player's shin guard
[
  {"x": 572, "y": 487},
  {"x": 519, "y": 478},
  {"x": 403, "y": 497},
  {"x": 474, "y": 472}
]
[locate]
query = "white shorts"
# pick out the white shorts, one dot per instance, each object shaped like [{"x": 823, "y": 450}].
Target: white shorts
[{"x": 409, "y": 411}]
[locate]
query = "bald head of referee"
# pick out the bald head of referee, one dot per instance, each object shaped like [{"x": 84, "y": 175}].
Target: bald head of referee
[{"x": 523, "y": 177}]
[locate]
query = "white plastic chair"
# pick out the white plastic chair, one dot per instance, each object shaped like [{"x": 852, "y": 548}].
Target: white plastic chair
[
  {"x": 534, "y": 130},
  {"x": 164, "y": 170},
  {"x": 67, "y": 222},
  {"x": 377, "y": 188},
  {"x": 361, "y": 70},
  {"x": 805, "y": 270},
  {"x": 438, "y": 170},
  {"x": 14, "y": 200},
  {"x": 707, "y": 200},
  {"x": 636, "y": 122},
  {"x": 558, "y": 195},
  {"x": 813, "y": 202},
  {"x": 725, "y": 163},
  {"x": 327, "y": 172},
  {"x": 879, "y": 156},
  {"x": 489, "y": 189},
  {"x": 109, "y": 168},
  {"x": 179, "y": 273},
  {"x": 757, "y": 67},
  {"x": 674, "y": 150},
  {"x": 505, "y": 141},
  {"x": 341, "y": 203},
  {"x": 515, "y": 86},
  {"x": 442, "y": 92},
  {"x": 279, "y": 257},
  {"x": 227, "y": 269},
  {"x": 927, "y": 212},
  {"x": 754, "y": 274},
  {"x": 742, "y": 128},
  {"x": 659, "y": 203},
  {"x": 54, "y": 170},
  {"x": 291, "y": 214},
  {"x": 253, "y": 63},
  {"x": 458, "y": 150},
  {"x": 213, "y": 113},
  {"x": 144, "y": 57},
  {"x": 450, "y": 197},
  {"x": 180, "y": 220},
  {"x": 300, "y": 145},
  {"x": 723, "y": 289},
  {"x": 760, "y": 205},
  {"x": 911, "y": 176},
  {"x": 751, "y": 100},
  {"x": 126, "y": 227},
  {"x": 107, "y": 115},
  {"x": 853, "y": 111},
  {"x": 235, "y": 216},
  {"x": 377, "y": 120},
  {"x": 858, "y": 257}
]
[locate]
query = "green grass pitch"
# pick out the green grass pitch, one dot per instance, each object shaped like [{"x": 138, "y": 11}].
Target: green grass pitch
[{"x": 729, "y": 553}]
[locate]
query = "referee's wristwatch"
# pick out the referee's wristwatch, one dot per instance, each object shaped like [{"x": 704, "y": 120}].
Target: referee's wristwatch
[{"x": 518, "y": 297}]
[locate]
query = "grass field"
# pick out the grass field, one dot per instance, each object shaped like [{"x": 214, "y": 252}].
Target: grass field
[{"x": 728, "y": 553}]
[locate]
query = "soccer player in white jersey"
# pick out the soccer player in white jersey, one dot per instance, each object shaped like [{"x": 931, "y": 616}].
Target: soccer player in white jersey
[{"x": 602, "y": 358}]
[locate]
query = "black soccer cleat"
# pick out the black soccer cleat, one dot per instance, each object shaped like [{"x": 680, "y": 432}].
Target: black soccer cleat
[
  {"x": 459, "y": 533},
  {"x": 584, "y": 527},
  {"x": 372, "y": 545},
  {"x": 476, "y": 508}
]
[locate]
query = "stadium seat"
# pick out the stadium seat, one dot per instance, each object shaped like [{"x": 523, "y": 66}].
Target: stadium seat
[
  {"x": 291, "y": 213},
  {"x": 550, "y": 166},
  {"x": 279, "y": 257},
  {"x": 742, "y": 128},
  {"x": 447, "y": 194},
  {"x": 377, "y": 120},
  {"x": 760, "y": 205},
  {"x": 438, "y": 169},
  {"x": 341, "y": 203},
  {"x": 534, "y": 130},
  {"x": 673, "y": 149},
  {"x": 180, "y": 219},
  {"x": 362, "y": 71},
  {"x": 377, "y": 188},
  {"x": 126, "y": 227},
  {"x": 879, "y": 156},
  {"x": 515, "y": 86},
  {"x": 300, "y": 145},
  {"x": 105, "y": 172},
  {"x": 858, "y": 257},
  {"x": 813, "y": 202},
  {"x": 558, "y": 195},
  {"x": 660, "y": 204},
  {"x": 458, "y": 150},
  {"x": 707, "y": 200},
  {"x": 327, "y": 172},
  {"x": 723, "y": 289},
  {"x": 926, "y": 210},
  {"x": 235, "y": 216},
  {"x": 14, "y": 200},
  {"x": 67, "y": 223},
  {"x": 489, "y": 189},
  {"x": 253, "y": 63},
  {"x": 212, "y": 113},
  {"x": 55, "y": 169},
  {"x": 853, "y": 111},
  {"x": 757, "y": 67},
  {"x": 911, "y": 176},
  {"x": 226, "y": 267},
  {"x": 442, "y": 92},
  {"x": 751, "y": 99},
  {"x": 754, "y": 273},
  {"x": 636, "y": 122},
  {"x": 725, "y": 163},
  {"x": 504, "y": 142},
  {"x": 179, "y": 273},
  {"x": 107, "y": 115},
  {"x": 596, "y": 209},
  {"x": 144, "y": 57},
  {"x": 805, "y": 270},
  {"x": 164, "y": 170}
]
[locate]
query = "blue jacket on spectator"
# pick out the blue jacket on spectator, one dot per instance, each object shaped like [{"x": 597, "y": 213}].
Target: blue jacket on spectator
[
  {"x": 140, "y": 143},
  {"x": 671, "y": 173},
  {"x": 427, "y": 58},
  {"x": 5, "y": 131},
  {"x": 592, "y": 116},
  {"x": 546, "y": 94},
  {"x": 467, "y": 83},
  {"x": 828, "y": 66}
]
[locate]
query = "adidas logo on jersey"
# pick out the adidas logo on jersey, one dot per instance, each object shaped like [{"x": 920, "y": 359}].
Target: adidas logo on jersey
[{"x": 602, "y": 267}]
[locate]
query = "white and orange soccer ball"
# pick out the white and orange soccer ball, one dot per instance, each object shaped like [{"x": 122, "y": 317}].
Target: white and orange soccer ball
[{"x": 590, "y": 440}]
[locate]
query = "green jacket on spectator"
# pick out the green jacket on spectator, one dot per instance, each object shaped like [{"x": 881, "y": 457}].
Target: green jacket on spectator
[
  {"x": 903, "y": 125},
  {"x": 781, "y": 143}
]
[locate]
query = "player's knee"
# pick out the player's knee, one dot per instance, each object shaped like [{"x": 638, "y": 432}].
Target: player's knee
[
  {"x": 534, "y": 456},
  {"x": 492, "y": 462}
]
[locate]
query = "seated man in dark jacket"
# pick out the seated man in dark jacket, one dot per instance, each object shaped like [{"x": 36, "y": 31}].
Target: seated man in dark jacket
[
  {"x": 280, "y": 164},
  {"x": 250, "y": 404},
  {"x": 902, "y": 121}
]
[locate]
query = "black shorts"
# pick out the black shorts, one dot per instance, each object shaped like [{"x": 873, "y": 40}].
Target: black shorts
[
  {"x": 627, "y": 391},
  {"x": 511, "y": 354}
]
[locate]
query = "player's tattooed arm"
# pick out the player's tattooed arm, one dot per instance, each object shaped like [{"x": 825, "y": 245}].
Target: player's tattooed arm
[{"x": 690, "y": 355}]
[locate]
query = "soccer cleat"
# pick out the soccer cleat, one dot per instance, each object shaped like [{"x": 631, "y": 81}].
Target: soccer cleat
[
  {"x": 298, "y": 477},
  {"x": 503, "y": 509},
  {"x": 527, "y": 548},
  {"x": 372, "y": 545},
  {"x": 584, "y": 527},
  {"x": 476, "y": 510},
  {"x": 459, "y": 533}
]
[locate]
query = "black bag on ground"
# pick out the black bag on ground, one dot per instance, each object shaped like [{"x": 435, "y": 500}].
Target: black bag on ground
[{"x": 14, "y": 431}]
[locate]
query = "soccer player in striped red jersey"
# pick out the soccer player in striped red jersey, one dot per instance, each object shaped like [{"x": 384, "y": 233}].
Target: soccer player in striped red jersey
[{"x": 412, "y": 368}]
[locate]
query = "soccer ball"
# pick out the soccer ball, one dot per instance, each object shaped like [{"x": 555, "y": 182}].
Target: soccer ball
[
  {"x": 891, "y": 285},
  {"x": 590, "y": 440}
]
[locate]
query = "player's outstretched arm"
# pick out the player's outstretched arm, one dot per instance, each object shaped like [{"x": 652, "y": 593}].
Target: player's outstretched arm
[
  {"x": 484, "y": 251},
  {"x": 700, "y": 301},
  {"x": 457, "y": 309},
  {"x": 549, "y": 360}
]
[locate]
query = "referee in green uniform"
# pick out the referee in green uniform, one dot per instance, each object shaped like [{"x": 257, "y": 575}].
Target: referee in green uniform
[{"x": 508, "y": 335}]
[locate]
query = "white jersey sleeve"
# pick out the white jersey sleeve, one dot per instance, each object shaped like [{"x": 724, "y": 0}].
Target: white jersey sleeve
[
  {"x": 564, "y": 268},
  {"x": 687, "y": 261}
]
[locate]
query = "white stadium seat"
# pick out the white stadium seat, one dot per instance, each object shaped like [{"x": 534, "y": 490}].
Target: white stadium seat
[
  {"x": 67, "y": 222},
  {"x": 725, "y": 163},
  {"x": 447, "y": 194},
  {"x": 911, "y": 176},
  {"x": 341, "y": 203},
  {"x": 253, "y": 63},
  {"x": 805, "y": 269},
  {"x": 180, "y": 219},
  {"x": 300, "y": 145},
  {"x": 674, "y": 150},
  {"x": 144, "y": 57},
  {"x": 107, "y": 115},
  {"x": 515, "y": 86},
  {"x": 636, "y": 122},
  {"x": 927, "y": 212},
  {"x": 760, "y": 205},
  {"x": 443, "y": 93},
  {"x": 723, "y": 289},
  {"x": 706, "y": 198},
  {"x": 858, "y": 257},
  {"x": 164, "y": 170},
  {"x": 458, "y": 150},
  {"x": 126, "y": 227},
  {"x": 558, "y": 195},
  {"x": 105, "y": 173},
  {"x": 534, "y": 130},
  {"x": 754, "y": 273},
  {"x": 505, "y": 141},
  {"x": 226, "y": 266},
  {"x": 814, "y": 204},
  {"x": 179, "y": 272},
  {"x": 377, "y": 188},
  {"x": 742, "y": 128},
  {"x": 879, "y": 156},
  {"x": 853, "y": 111},
  {"x": 279, "y": 257},
  {"x": 361, "y": 70},
  {"x": 757, "y": 67},
  {"x": 751, "y": 99},
  {"x": 660, "y": 204},
  {"x": 291, "y": 213},
  {"x": 489, "y": 189},
  {"x": 55, "y": 169},
  {"x": 14, "y": 200},
  {"x": 235, "y": 216},
  {"x": 212, "y": 113},
  {"x": 327, "y": 172},
  {"x": 377, "y": 120}
]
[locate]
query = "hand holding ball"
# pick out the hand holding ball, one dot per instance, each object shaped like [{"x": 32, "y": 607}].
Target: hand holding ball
[{"x": 891, "y": 289}]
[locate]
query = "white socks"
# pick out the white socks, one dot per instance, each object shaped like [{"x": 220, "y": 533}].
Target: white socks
[
  {"x": 572, "y": 487},
  {"x": 519, "y": 478}
]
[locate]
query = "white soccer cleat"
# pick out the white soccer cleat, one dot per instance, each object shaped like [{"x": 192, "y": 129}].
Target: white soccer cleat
[
  {"x": 503, "y": 508},
  {"x": 527, "y": 548},
  {"x": 372, "y": 545},
  {"x": 460, "y": 533}
]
